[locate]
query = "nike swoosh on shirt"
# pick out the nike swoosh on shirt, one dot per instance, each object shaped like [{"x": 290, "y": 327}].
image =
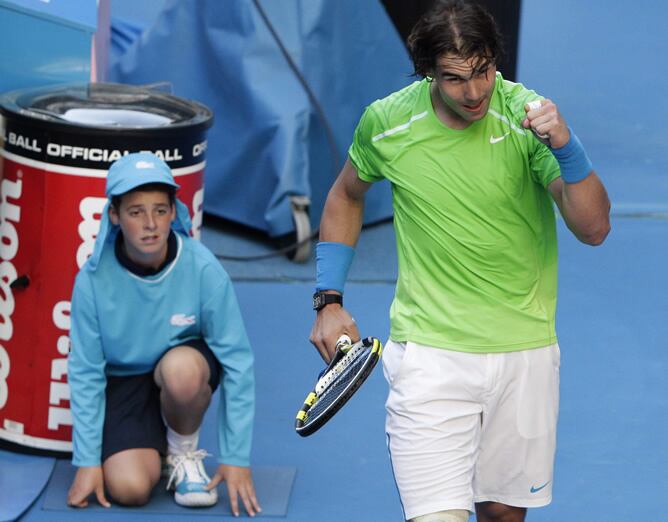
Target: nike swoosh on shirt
[
  {"x": 493, "y": 139},
  {"x": 537, "y": 489}
]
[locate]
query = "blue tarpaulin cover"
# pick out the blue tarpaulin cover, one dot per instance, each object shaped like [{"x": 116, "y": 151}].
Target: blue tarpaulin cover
[{"x": 270, "y": 140}]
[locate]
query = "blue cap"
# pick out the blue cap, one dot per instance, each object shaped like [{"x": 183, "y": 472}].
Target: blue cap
[
  {"x": 136, "y": 169},
  {"x": 125, "y": 174}
]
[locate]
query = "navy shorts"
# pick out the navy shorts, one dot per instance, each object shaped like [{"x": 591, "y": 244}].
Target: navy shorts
[{"x": 132, "y": 417}]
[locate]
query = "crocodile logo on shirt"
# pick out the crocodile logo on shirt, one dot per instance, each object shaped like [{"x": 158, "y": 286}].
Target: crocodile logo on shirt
[{"x": 182, "y": 320}]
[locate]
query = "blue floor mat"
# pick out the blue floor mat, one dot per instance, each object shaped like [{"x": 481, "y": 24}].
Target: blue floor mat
[
  {"x": 272, "y": 485},
  {"x": 22, "y": 479}
]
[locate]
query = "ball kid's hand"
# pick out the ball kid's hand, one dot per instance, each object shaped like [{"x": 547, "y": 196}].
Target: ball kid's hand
[
  {"x": 239, "y": 486},
  {"x": 88, "y": 480}
]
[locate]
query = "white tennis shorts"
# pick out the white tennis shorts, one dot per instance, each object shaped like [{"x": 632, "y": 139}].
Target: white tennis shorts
[{"x": 465, "y": 428}]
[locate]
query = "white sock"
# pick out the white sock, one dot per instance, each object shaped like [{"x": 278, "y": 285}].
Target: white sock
[{"x": 178, "y": 444}]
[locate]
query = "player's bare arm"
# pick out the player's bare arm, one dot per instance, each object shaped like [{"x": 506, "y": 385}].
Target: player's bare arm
[
  {"x": 585, "y": 208},
  {"x": 583, "y": 201},
  {"x": 341, "y": 223},
  {"x": 342, "y": 216}
]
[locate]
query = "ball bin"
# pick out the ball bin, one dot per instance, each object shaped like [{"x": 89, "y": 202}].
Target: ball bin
[{"x": 56, "y": 145}]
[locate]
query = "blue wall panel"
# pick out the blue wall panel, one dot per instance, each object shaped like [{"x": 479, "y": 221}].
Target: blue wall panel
[{"x": 44, "y": 48}]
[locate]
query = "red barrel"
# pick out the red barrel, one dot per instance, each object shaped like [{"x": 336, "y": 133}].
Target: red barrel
[{"x": 57, "y": 145}]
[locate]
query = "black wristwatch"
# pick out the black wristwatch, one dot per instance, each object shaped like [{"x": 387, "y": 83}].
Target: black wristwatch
[{"x": 321, "y": 299}]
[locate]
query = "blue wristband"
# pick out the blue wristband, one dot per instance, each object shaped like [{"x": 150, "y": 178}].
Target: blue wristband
[
  {"x": 332, "y": 261},
  {"x": 573, "y": 161}
]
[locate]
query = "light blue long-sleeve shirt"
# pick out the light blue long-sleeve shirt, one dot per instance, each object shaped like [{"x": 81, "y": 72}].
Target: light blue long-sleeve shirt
[{"x": 122, "y": 324}]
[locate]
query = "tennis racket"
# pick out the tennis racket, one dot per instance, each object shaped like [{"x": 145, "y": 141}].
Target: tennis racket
[{"x": 348, "y": 369}]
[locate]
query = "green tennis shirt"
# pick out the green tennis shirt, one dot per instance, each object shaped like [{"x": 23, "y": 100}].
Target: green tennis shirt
[{"x": 474, "y": 221}]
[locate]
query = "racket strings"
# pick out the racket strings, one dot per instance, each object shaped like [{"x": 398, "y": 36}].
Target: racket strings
[
  {"x": 335, "y": 391},
  {"x": 327, "y": 379}
]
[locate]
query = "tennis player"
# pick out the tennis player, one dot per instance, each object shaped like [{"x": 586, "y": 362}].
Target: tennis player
[
  {"x": 155, "y": 329},
  {"x": 475, "y": 163}
]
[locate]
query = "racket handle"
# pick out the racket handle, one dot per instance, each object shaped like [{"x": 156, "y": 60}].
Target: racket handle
[
  {"x": 343, "y": 344},
  {"x": 343, "y": 341}
]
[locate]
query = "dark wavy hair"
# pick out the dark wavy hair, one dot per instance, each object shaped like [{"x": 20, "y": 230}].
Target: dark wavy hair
[{"x": 458, "y": 27}]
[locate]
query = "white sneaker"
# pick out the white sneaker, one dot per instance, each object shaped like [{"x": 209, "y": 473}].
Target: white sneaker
[{"x": 188, "y": 478}]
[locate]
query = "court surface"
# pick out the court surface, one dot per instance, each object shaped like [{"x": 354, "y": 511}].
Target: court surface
[{"x": 604, "y": 68}]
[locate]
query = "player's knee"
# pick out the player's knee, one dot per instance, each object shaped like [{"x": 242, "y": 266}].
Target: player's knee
[
  {"x": 498, "y": 512},
  {"x": 451, "y": 515},
  {"x": 130, "y": 491}
]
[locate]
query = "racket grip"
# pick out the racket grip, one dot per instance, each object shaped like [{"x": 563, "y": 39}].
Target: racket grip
[
  {"x": 343, "y": 341},
  {"x": 343, "y": 344}
]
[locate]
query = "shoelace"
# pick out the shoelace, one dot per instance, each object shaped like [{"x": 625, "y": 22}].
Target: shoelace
[{"x": 190, "y": 463}]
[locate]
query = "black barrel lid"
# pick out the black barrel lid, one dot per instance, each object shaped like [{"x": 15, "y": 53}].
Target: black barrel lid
[{"x": 106, "y": 107}]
